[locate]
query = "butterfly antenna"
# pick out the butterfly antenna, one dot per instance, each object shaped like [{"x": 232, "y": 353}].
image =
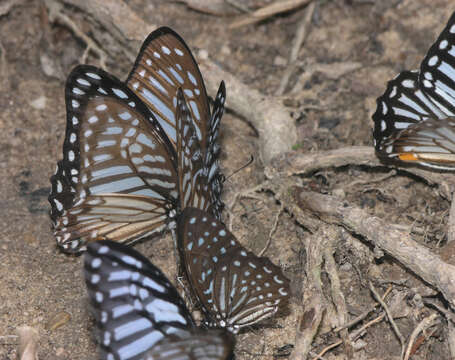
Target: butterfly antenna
[{"x": 248, "y": 163}]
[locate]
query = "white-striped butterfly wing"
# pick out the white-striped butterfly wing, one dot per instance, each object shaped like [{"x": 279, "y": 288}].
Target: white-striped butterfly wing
[
  {"x": 164, "y": 64},
  {"x": 417, "y": 97},
  {"x": 118, "y": 177},
  {"x": 437, "y": 70},
  {"x": 234, "y": 287},
  {"x": 139, "y": 314},
  {"x": 214, "y": 344}
]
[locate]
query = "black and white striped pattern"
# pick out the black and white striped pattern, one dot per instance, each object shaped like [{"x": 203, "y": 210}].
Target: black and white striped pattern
[
  {"x": 413, "y": 122},
  {"x": 234, "y": 287},
  {"x": 139, "y": 314},
  {"x": 118, "y": 176},
  {"x": 164, "y": 65}
]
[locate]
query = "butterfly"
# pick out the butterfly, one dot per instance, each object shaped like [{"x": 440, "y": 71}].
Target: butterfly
[
  {"x": 119, "y": 178},
  {"x": 138, "y": 312},
  {"x": 414, "y": 122},
  {"x": 234, "y": 287}
]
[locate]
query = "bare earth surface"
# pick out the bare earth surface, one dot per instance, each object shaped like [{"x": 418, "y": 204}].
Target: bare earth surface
[{"x": 332, "y": 107}]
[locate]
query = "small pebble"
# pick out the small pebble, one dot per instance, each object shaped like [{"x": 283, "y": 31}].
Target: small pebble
[{"x": 39, "y": 103}]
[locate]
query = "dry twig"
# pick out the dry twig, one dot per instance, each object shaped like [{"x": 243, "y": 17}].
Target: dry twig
[
  {"x": 304, "y": 164},
  {"x": 268, "y": 11},
  {"x": 56, "y": 15},
  {"x": 337, "y": 295},
  {"x": 314, "y": 303},
  {"x": 426, "y": 323},
  {"x": 389, "y": 316},
  {"x": 396, "y": 243},
  {"x": 300, "y": 36},
  {"x": 451, "y": 222}
]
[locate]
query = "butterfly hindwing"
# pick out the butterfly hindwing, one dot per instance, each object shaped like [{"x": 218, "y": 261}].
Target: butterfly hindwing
[
  {"x": 138, "y": 312},
  {"x": 235, "y": 287}
]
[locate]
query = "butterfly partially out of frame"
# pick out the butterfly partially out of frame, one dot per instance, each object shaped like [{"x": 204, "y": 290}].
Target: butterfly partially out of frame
[
  {"x": 138, "y": 312},
  {"x": 119, "y": 178},
  {"x": 234, "y": 287},
  {"x": 414, "y": 121}
]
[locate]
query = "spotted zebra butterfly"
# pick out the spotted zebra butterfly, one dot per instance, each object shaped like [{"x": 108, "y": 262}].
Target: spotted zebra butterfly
[
  {"x": 414, "y": 121},
  {"x": 138, "y": 312},
  {"x": 234, "y": 287},
  {"x": 119, "y": 178}
]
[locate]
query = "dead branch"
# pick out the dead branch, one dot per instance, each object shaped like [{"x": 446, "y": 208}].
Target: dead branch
[
  {"x": 396, "y": 243},
  {"x": 268, "y": 11},
  {"x": 303, "y": 164},
  {"x": 314, "y": 303},
  {"x": 336, "y": 293}
]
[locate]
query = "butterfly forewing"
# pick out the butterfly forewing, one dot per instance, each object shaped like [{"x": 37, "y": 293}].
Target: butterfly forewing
[
  {"x": 139, "y": 314},
  {"x": 117, "y": 179},
  {"x": 437, "y": 71},
  {"x": 235, "y": 287},
  {"x": 164, "y": 64}
]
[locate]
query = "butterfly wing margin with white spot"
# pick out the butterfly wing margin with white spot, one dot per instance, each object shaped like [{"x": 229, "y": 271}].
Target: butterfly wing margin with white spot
[
  {"x": 437, "y": 71},
  {"x": 197, "y": 344},
  {"x": 164, "y": 64},
  {"x": 212, "y": 169},
  {"x": 112, "y": 146},
  {"x": 134, "y": 304},
  {"x": 235, "y": 287}
]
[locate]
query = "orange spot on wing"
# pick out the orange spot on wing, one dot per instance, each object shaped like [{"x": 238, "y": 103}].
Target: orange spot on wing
[{"x": 408, "y": 157}]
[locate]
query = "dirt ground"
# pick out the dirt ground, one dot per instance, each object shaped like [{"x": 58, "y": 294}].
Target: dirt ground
[{"x": 39, "y": 283}]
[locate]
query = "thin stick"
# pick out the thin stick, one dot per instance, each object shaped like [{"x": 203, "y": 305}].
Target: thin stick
[
  {"x": 301, "y": 34},
  {"x": 451, "y": 222},
  {"x": 352, "y": 336},
  {"x": 337, "y": 296},
  {"x": 268, "y": 11},
  {"x": 56, "y": 15},
  {"x": 389, "y": 316},
  {"x": 364, "y": 314},
  {"x": 272, "y": 230},
  {"x": 429, "y": 321}
]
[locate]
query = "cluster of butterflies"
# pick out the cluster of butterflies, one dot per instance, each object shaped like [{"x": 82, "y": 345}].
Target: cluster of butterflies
[{"x": 140, "y": 157}]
